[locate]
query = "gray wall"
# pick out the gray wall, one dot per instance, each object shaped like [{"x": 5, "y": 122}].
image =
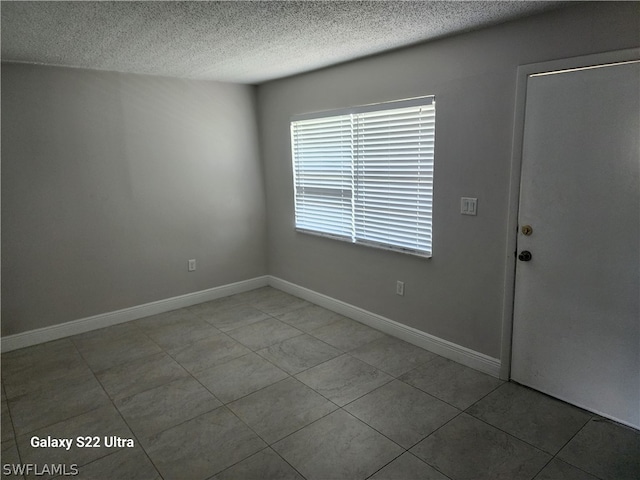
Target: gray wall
[
  {"x": 458, "y": 294},
  {"x": 111, "y": 182}
]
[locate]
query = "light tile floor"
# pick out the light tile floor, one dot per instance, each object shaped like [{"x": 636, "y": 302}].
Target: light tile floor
[{"x": 263, "y": 385}]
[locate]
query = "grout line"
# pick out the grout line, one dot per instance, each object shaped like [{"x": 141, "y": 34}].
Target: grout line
[
  {"x": 569, "y": 441},
  {"x": 251, "y": 302},
  {"x": 510, "y": 435}
]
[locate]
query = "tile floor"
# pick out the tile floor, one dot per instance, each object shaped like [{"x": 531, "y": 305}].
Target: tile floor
[{"x": 263, "y": 385}]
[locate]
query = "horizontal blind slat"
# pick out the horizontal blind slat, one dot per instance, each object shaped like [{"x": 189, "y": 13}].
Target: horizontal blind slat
[{"x": 367, "y": 176}]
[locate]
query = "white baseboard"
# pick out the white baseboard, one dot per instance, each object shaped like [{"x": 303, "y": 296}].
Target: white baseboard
[
  {"x": 452, "y": 351},
  {"x": 74, "y": 327},
  {"x": 436, "y": 345}
]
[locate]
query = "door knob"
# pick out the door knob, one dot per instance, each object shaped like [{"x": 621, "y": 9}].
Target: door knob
[{"x": 525, "y": 256}]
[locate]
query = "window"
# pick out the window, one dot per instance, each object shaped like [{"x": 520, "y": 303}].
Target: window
[{"x": 365, "y": 174}]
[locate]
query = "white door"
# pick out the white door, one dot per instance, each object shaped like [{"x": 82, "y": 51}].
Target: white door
[{"x": 576, "y": 328}]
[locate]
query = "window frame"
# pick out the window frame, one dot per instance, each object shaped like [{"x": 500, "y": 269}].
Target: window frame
[{"x": 423, "y": 101}]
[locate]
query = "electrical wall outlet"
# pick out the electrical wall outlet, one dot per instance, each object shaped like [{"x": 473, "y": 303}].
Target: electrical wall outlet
[
  {"x": 192, "y": 265},
  {"x": 400, "y": 288}
]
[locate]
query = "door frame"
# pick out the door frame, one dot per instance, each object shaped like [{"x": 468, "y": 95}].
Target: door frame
[{"x": 515, "y": 177}]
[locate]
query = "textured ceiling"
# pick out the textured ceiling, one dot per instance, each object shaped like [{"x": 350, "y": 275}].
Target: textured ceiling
[{"x": 243, "y": 42}]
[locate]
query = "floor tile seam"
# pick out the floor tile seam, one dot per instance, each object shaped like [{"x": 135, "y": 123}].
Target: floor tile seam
[
  {"x": 434, "y": 397},
  {"x": 14, "y": 436},
  {"x": 433, "y": 433},
  {"x": 262, "y": 388},
  {"x": 168, "y": 323},
  {"x": 255, "y": 391},
  {"x": 200, "y": 371},
  {"x": 229, "y": 330},
  {"x": 435, "y": 468},
  {"x": 81, "y": 355},
  {"x": 162, "y": 349},
  {"x": 256, "y": 303},
  {"x": 189, "y": 343},
  {"x": 391, "y": 379},
  {"x": 458, "y": 411},
  {"x": 108, "y": 455},
  {"x": 274, "y": 315},
  {"x": 268, "y": 317},
  {"x": 12, "y": 374},
  {"x": 315, "y": 338},
  {"x": 434, "y": 357},
  {"x": 104, "y": 455},
  {"x": 501, "y": 383},
  {"x": 591, "y": 415},
  {"x": 316, "y": 391},
  {"x": 250, "y": 429},
  {"x": 263, "y": 347},
  {"x": 581, "y": 468},
  {"x": 51, "y": 383},
  {"x": 572, "y": 437},
  {"x": 271, "y": 445},
  {"x": 511, "y": 435},
  {"x": 555, "y": 457},
  {"x": 166, "y": 429},
  {"x": 189, "y": 374},
  {"x": 141, "y": 444},
  {"x": 66, "y": 419},
  {"x": 178, "y": 351},
  {"x": 158, "y": 432},
  {"x": 118, "y": 336},
  {"x": 390, "y": 461},
  {"x": 134, "y": 322},
  {"x": 600, "y": 419},
  {"x": 297, "y": 429},
  {"x": 112, "y": 400},
  {"x": 350, "y": 353},
  {"x": 127, "y": 361},
  {"x": 257, "y": 352},
  {"x": 365, "y": 394},
  {"x": 44, "y": 384},
  {"x": 208, "y": 316},
  {"x": 285, "y": 460},
  {"x": 108, "y": 452},
  {"x": 406, "y": 449},
  {"x": 192, "y": 419},
  {"x": 118, "y": 398},
  {"x": 408, "y": 453},
  {"x": 466, "y": 410},
  {"x": 542, "y": 468},
  {"x": 335, "y": 320},
  {"x": 268, "y": 447},
  {"x": 15, "y": 443},
  {"x": 461, "y": 410},
  {"x": 318, "y": 365}
]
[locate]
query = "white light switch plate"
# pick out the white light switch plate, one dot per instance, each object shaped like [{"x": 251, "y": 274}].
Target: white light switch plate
[{"x": 468, "y": 206}]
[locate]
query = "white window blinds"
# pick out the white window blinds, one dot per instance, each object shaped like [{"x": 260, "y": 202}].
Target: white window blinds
[{"x": 365, "y": 175}]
